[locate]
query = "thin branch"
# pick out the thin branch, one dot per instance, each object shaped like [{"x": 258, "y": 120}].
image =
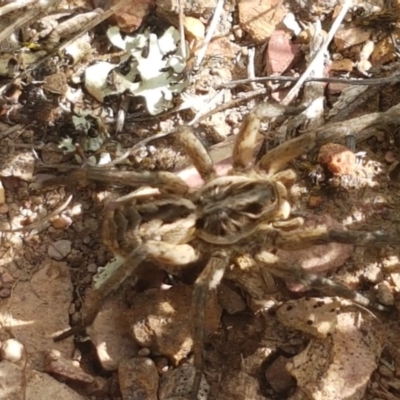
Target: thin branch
[
  {"x": 335, "y": 26},
  {"x": 210, "y": 32},
  {"x": 347, "y": 81},
  {"x": 182, "y": 29}
]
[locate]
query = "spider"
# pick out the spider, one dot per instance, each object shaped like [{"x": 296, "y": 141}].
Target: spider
[{"x": 246, "y": 212}]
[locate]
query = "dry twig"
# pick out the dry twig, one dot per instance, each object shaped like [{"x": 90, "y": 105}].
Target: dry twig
[{"x": 335, "y": 26}]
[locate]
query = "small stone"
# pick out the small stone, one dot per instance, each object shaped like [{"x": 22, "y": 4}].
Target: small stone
[
  {"x": 315, "y": 201},
  {"x": 337, "y": 159},
  {"x": 278, "y": 377},
  {"x": 4, "y": 209},
  {"x": 76, "y": 317},
  {"x": 56, "y": 363},
  {"x": 138, "y": 375},
  {"x": 144, "y": 352},
  {"x": 390, "y": 157},
  {"x": 384, "y": 293},
  {"x": 373, "y": 274},
  {"x": 161, "y": 364},
  {"x": 60, "y": 249},
  {"x": 5, "y": 292},
  {"x": 92, "y": 268},
  {"x": 11, "y": 350},
  {"x": 7, "y": 278},
  {"x": 61, "y": 222}
]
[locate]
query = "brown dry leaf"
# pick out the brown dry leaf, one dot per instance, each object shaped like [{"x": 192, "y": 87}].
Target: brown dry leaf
[
  {"x": 130, "y": 17},
  {"x": 222, "y": 47},
  {"x": 383, "y": 52},
  {"x": 347, "y": 37},
  {"x": 342, "y": 65},
  {"x": 260, "y": 17},
  {"x": 194, "y": 28}
]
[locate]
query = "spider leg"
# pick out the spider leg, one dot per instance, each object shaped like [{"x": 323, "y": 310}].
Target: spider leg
[
  {"x": 164, "y": 181},
  {"x": 276, "y": 159},
  {"x": 196, "y": 151},
  {"x": 207, "y": 280},
  {"x": 243, "y": 150},
  {"x": 121, "y": 235},
  {"x": 299, "y": 239},
  {"x": 107, "y": 281},
  {"x": 294, "y": 273}
]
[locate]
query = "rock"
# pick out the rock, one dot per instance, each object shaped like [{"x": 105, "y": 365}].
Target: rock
[
  {"x": 230, "y": 300},
  {"x": 278, "y": 377},
  {"x": 22, "y": 382},
  {"x": 318, "y": 258},
  {"x": 110, "y": 334},
  {"x": 5, "y": 292},
  {"x": 373, "y": 273},
  {"x": 337, "y": 158},
  {"x": 315, "y": 316},
  {"x": 7, "y": 278},
  {"x": 18, "y": 165},
  {"x": 38, "y": 310},
  {"x": 177, "y": 384},
  {"x": 281, "y": 52},
  {"x": 309, "y": 10},
  {"x": 339, "y": 366},
  {"x": 59, "y": 250},
  {"x": 138, "y": 379},
  {"x": 11, "y": 350},
  {"x": 162, "y": 320},
  {"x": 384, "y": 293},
  {"x": 65, "y": 368}
]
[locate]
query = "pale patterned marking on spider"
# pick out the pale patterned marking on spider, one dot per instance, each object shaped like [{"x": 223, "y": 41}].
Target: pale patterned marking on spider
[{"x": 245, "y": 212}]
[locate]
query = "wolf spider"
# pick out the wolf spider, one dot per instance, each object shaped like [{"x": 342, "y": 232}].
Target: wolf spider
[{"x": 245, "y": 212}]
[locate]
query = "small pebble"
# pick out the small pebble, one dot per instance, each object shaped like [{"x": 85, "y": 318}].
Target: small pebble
[
  {"x": 373, "y": 274},
  {"x": 92, "y": 268},
  {"x": 5, "y": 292},
  {"x": 390, "y": 157},
  {"x": 76, "y": 317},
  {"x": 4, "y": 209},
  {"x": 60, "y": 249},
  {"x": 161, "y": 364},
  {"x": 144, "y": 352},
  {"x": 11, "y": 350},
  {"x": 7, "y": 278},
  {"x": 61, "y": 222},
  {"x": 384, "y": 293}
]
